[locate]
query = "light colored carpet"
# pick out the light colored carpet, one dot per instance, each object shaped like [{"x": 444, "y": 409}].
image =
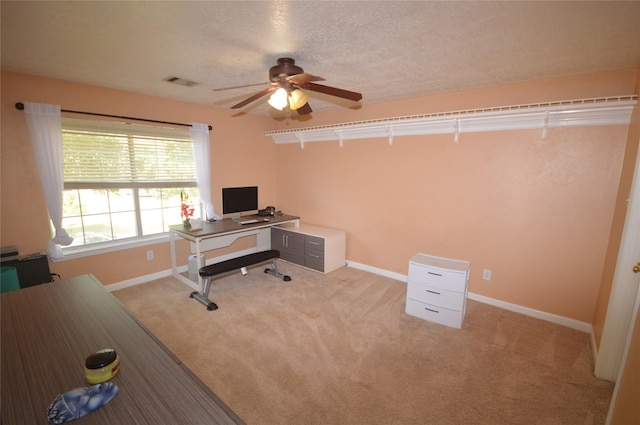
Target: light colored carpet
[{"x": 339, "y": 349}]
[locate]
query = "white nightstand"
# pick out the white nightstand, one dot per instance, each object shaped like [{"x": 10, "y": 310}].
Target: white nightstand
[{"x": 437, "y": 289}]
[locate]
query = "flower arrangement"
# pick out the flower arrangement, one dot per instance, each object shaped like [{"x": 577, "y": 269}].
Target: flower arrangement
[{"x": 186, "y": 209}]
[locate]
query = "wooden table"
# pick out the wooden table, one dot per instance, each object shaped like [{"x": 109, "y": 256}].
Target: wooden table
[{"x": 49, "y": 330}]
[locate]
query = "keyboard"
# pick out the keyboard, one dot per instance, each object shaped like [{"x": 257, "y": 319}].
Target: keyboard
[{"x": 250, "y": 219}]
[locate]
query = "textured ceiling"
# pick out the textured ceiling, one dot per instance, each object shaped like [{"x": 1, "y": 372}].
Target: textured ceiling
[{"x": 387, "y": 50}]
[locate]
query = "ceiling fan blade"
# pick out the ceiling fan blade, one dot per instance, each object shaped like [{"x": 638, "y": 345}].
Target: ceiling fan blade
[
  {"x": 254, "y": 97},
  {"x": 240, "y": 87},
  {"x": 304, "y": 109},
  {"x": 303, "y": 78},
  {"x": 332, "y": 91}
]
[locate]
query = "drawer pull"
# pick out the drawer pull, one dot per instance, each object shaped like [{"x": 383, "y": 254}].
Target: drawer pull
[
  {"x": 431, "y": 310},
  {"x": 314, "y": 256},
  {"x": 432, "y": 292},
  {"x": 435, "y": 274},
  {"x": 314, "y": 243}
]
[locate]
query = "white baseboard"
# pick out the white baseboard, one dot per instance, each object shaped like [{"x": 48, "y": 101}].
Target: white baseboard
[
  {"x": 549, "y": 317},
  {"x": 594, "y": 346},
  {"x": 141, "y": 279},
  {"x": 375, "y": 270},
  {"x": 560, "y": 320},
  {"x": 166, "y": 273}
]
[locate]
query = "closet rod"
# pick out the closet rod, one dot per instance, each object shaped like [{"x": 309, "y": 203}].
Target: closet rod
[{"x": 20, "y": 106}]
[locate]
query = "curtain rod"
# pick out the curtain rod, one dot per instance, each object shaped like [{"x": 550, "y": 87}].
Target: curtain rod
[{"x": 20, "y": 106}]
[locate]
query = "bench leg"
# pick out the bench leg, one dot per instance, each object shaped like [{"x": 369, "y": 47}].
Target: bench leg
[
  {"x": 274, "y": 271},
  {"x": 204, "y": 297}
]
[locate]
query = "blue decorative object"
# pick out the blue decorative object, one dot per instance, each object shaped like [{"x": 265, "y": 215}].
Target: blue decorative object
[{"x": 80, "y": 402}]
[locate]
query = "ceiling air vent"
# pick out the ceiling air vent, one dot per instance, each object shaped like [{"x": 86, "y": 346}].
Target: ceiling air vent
[{"x": 181, "y": 81}]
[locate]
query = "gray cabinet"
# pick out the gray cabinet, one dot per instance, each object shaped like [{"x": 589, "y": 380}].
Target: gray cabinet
[
  {"x": 290, "y": 245},
  {"x": 315, "y": 247}
]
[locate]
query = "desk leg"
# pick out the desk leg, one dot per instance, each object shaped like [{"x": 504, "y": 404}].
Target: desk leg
[
  {"x": 199, "y": 265},
  {"x": 263, "y": 239},
  {"x": 174, "y": 263},
  {"x": 172, "y": 246}
]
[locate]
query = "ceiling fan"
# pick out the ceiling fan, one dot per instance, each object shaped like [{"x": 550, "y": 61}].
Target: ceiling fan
[{"x": 286, "y": 83}]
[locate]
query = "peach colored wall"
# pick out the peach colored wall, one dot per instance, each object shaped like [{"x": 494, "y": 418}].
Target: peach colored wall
[
  {"x": 536, "y": 212},
  {"x": 626, "y": 178},
  {"x": 603, "y": 84},
  {"x": 24, "y": 218}
]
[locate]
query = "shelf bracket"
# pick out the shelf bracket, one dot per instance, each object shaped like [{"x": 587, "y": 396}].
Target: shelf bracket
[
  {"x": 545, "y": 125},
  {"x": 614, "y": 110},
  {"x": 300, "y": 139},
  {"x": 340, "y": 138},
  {"x": 456, "y": 130}
]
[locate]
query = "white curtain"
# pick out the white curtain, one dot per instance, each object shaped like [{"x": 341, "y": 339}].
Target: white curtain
[
  {"x": 45, "y": 131},
  {"x": 200, "y": 138}
]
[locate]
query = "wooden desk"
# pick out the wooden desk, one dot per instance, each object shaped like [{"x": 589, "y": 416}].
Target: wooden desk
[
  {"x": 220, "y": 234},
  {"x": 49, "y": 330}
]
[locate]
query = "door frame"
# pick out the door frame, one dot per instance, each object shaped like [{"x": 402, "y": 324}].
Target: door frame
[
  {"x": 625, "y": 356},
  {"x": 623, "y": 290}
]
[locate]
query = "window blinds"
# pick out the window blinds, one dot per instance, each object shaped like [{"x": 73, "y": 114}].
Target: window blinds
[{"x": 109, "y": 154}]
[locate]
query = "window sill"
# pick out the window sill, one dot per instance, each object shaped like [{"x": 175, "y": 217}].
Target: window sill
[{"x": 103, "y": 248}]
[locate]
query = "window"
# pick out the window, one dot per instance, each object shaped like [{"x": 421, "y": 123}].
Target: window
[{"x": 123, "y": 181}]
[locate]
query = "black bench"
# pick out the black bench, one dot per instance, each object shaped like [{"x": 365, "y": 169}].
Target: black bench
[{"x": 208, "y": 272}]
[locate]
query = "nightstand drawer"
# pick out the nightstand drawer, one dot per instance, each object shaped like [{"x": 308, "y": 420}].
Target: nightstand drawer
[
  {"x": 435, "y": 314},
  {"x": 436, "y": 296},
  {"x": 438, "y": 278}
]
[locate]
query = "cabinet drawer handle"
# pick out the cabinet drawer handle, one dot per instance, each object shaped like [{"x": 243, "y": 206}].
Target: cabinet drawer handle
[
  {"x": 314, "y": 256},
  {"x": 431, "y": 310},
  {"x": 432, "y": 292},
  {"x": 314, "y": 243},
  {"x": 435, "y": 274}
]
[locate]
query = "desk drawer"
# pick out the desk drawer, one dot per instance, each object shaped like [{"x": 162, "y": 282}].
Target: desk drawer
[
  {"x": 314, "y": 261},
  {"x": 314, "y": 243},
  {"x": 436, "y": 296},
  {"x": 444, "y": 316}
]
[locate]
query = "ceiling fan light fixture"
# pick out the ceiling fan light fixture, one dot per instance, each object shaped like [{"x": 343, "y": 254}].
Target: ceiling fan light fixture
[
  {"x": 284, "y": 91},
  {"x": 297, "y": 99},
  {"x": 278, "y": 99}
]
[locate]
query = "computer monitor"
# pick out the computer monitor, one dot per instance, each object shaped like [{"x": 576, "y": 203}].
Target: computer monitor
[{"x": 238, "y": 201}]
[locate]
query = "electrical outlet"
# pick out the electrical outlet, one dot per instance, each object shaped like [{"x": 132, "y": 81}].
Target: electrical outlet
[
  {"x": 150, "y": 255},
  {"x": 486, "y": 274}
]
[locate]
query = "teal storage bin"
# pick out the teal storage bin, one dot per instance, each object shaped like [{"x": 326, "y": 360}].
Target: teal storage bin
[{"x": 9, "y": 280}]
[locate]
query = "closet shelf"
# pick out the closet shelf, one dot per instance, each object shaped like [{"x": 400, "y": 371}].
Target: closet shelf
[{"x": 568, "y": 113}]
